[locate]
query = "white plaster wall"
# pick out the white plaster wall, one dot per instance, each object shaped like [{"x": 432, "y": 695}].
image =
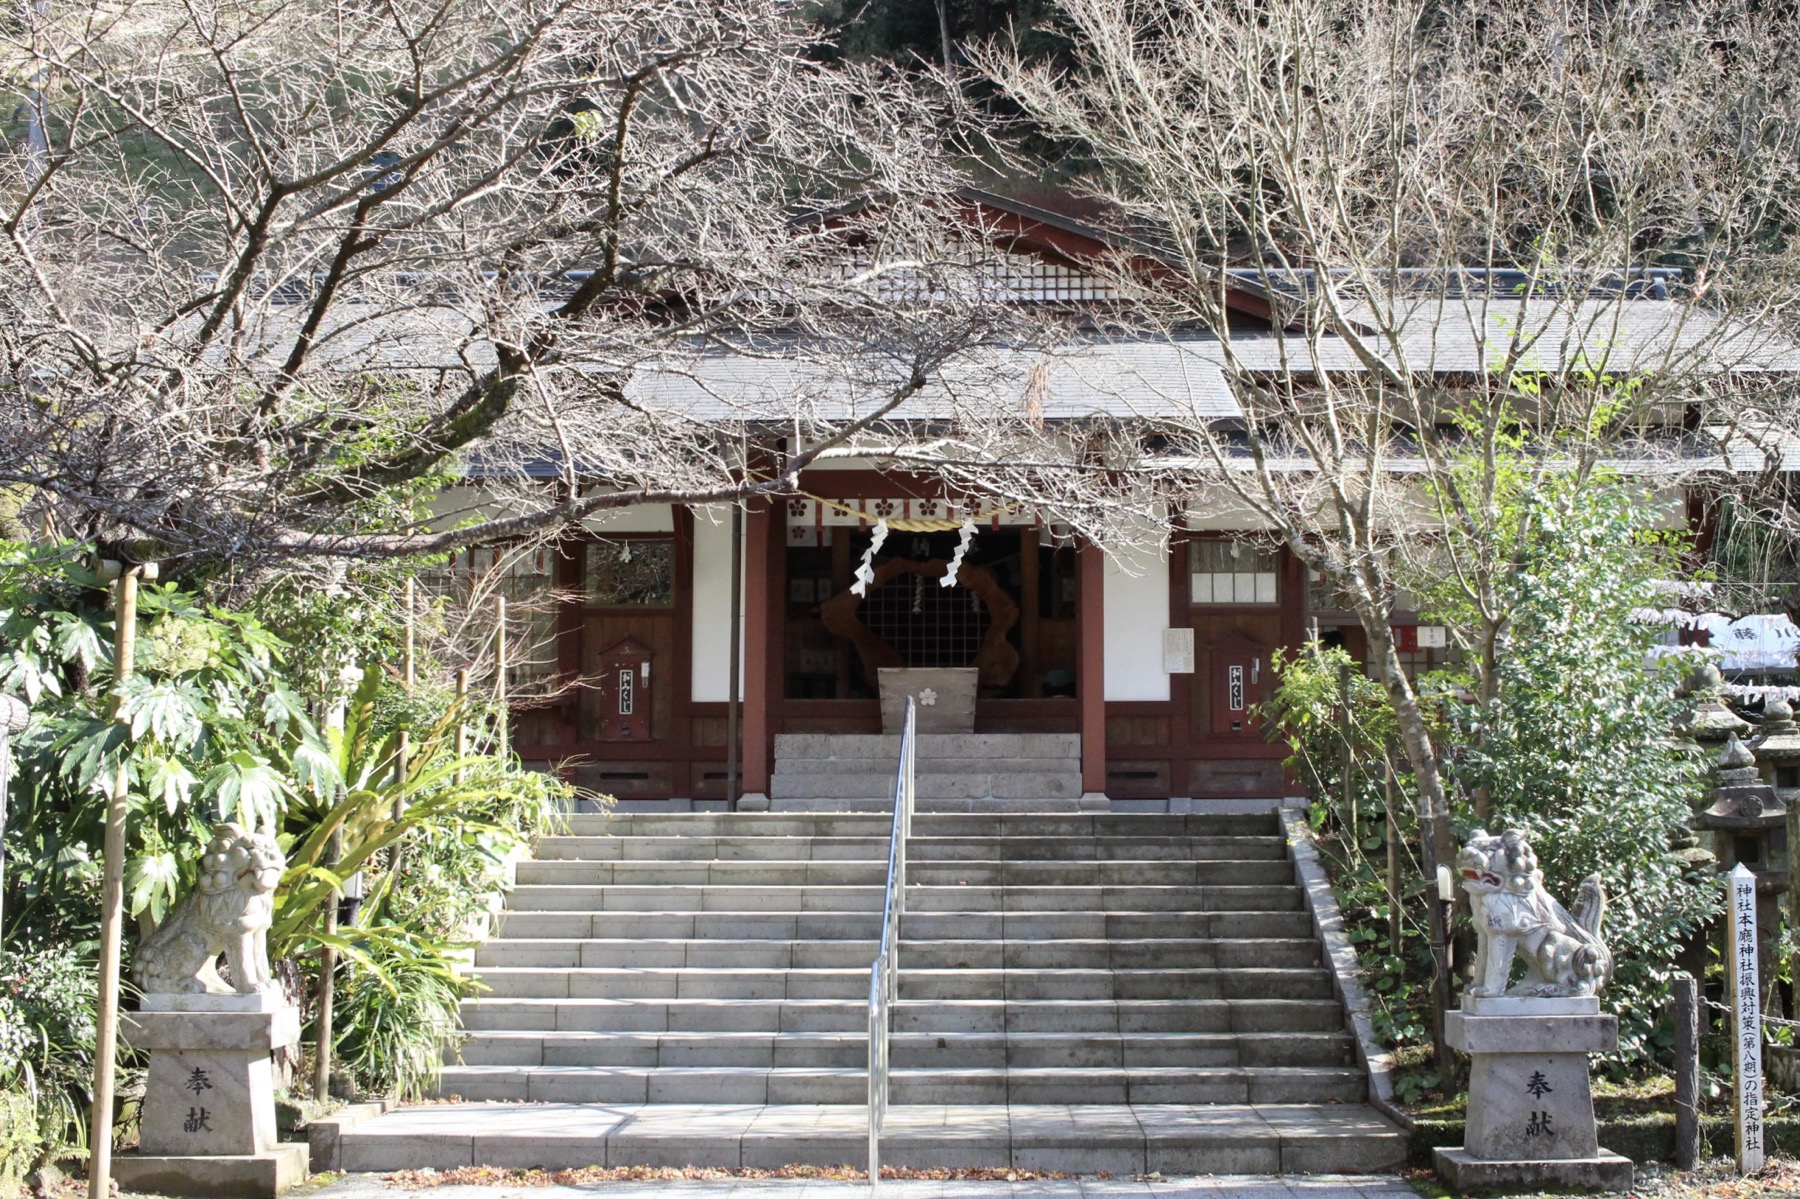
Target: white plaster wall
[
  {"x": 642, "y": 518},
  {"x": 461, "y": 502},
  {"x": 712, "y": 608},
  {"x": 1136, "y": 611}
]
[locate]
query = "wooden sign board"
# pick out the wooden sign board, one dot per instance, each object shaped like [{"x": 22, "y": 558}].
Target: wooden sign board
[{"x": 1746, "y": 1020}]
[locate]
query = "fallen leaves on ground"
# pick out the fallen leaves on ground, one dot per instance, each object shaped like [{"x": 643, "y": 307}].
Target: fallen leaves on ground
[
  {"x": 1716, "y": 1179},
  {"x": 494, "y": 1176}
]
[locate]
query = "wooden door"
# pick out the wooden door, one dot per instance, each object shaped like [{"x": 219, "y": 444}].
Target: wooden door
[
  {"x": 629, "y": 611},
  {"x": 1238, "y": 674}
]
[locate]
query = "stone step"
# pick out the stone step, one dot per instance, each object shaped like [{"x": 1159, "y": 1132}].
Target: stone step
[
  {"x": 1033, "y": 792},
  {"x": 723, "y": 897},
  {"x": 959, "y": 825},
  {"x": 961, "y": 985},
  {"x": 1172, "y": 1139},
  {"x": 1112, "y": 873},
  {"x": 1092, "y": 953},
  {"x": 935, "y": 1051},
  {"x": 956, "y": 747},
  {"x": 930, "y": 766},
  {"x": 826, "y": 1085},
  {"x": 927, "y": 805},
  {"x": 752, "y": 847},
  {"x": 923, "y": 1016},
  {"x": 915, "y": 925},
  {"x": 775, "y": 873},
  {"x": 1090, "y": 849}
]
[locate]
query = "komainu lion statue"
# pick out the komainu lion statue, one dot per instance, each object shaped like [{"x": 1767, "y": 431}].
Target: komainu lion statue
[
  {"x": 1514, "y": 915},
  {"x": 229, "y": 912}
]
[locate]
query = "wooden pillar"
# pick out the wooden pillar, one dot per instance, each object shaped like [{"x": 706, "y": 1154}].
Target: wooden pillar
[
  {"x": 1091, "y": 680},
  {"x": 1033, "y": 664},
  {"x": 759, "y": 608}
]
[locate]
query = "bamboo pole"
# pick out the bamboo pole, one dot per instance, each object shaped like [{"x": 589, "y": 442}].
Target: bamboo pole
[
  {"x": 505, "y": 736},
  {"x": 14, "y": 716},
  {"x": 1346, "y": 760},
  {"x": 407, "y": 658},
  {"x": 462, "y": 720},
  {"x": 327, "y": 979},
  {"x": 1393, "y": 862},
  {"x": 403, "y": 745},
  {"x": 112, "y": 896}
]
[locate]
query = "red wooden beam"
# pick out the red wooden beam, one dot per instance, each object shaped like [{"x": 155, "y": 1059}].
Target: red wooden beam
[
  {"x": 759, "y": 604},
  {"x": 1091, "y": 680}
]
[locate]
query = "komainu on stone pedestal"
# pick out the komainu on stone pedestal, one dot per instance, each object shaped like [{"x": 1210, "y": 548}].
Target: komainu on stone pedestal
[
  {"x": 229, "y": 913},
  {"x": 1515, "y": 917},
  {"x": 1531, "y": 1103}
]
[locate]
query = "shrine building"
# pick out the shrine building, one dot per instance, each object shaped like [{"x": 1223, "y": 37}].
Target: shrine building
[{"x": 1094, "y": 680}]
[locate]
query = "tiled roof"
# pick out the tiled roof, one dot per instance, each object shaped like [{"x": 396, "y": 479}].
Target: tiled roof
[{"x": 1097, "y": 379}]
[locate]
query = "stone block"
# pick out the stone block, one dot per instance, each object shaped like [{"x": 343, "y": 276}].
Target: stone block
[
  {"x": 1035, "y": 785},
  {"x": 238, "y": 1176},
  {"x": 1080, "y": 1155},
  {"x": 261, "y": 1001},
  {"x": 1602, "y": 1172},
  {"x": 209, "y": 1103},
  {"x": 674, "y": 1150},
  {"x": 1544, "y": 1033},
  {"x": 545, "y": 1150},
  {"x": 1530, "y": 1106},
  {"x": 371, "y": 1152},
  {"x": 225, "y": 1030},
  {"x": 1525, "y": 1005},
  {"x": 774, "y": 1149},
  {"x": 951, "y": 1147},
  {"x": 802, "y": 746},
  {"x": 325, "y": 1134}
]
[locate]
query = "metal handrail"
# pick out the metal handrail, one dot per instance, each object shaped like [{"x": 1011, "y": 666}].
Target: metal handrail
[{"x": 884, "y": 973}]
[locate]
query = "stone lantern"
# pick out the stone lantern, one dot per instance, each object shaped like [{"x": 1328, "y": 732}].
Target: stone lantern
[
  {"x": 1778, "y": 754},
  {"x": 1749, "y": 823},
  {"x": 1709, "y": 720},
  {"x": 1777, "y": 751}
]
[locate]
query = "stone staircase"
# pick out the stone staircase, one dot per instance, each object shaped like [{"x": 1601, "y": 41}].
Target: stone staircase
[
  {"x": 1149, "y": 985},
  {"x": 986, "y": 772}
]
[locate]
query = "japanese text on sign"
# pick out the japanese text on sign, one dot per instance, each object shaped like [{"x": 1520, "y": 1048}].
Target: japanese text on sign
[{"x": 1746, "y": 1018}]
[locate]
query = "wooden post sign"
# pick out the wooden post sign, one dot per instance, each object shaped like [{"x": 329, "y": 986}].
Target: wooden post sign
[{"x": 1746, "y": 1020}]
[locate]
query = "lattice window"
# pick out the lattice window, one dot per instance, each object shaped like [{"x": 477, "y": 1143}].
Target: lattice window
[
  {"x": 631, "y": 573},
  {"x": 928, "y": 625},
  {"x": 466, "y": 586},
  {"x": 1230, "y": 572}
]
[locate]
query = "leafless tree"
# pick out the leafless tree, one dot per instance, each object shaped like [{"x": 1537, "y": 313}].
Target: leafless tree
[
  {"x": 1456, "y": 227},
  {"x": 279, "y": 268}
]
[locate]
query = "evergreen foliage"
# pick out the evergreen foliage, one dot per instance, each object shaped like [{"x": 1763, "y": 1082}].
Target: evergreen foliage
[{"x": 1570, "y": 740}]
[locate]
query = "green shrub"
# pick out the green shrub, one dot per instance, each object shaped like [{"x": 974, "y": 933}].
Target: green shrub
[
  {"x": 47, "y": 998},
  {"x": 19, "y": 1143},
  {"x": 1574, "y": 746},
  {"x": 1572, "y": 743},
  {"x": 396, "y": 1017}
]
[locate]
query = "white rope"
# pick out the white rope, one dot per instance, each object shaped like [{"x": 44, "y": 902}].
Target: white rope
[
  {"x": 962, "y": 547},
  {"x": 865, "y": 574}
]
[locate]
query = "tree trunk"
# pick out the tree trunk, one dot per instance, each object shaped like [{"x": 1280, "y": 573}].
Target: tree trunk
[{"x": 1436, "y": 837}]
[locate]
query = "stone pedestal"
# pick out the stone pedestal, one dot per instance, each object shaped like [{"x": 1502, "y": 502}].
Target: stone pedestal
[
  {"x": 208, "y": 1123},
  {"x": 1531, "y": 1106}
]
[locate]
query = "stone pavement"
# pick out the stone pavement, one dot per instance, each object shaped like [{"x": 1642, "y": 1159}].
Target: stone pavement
[
  {"x": 1319, "y": 1186},
  {"x": 1289, "y": 1139}
]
